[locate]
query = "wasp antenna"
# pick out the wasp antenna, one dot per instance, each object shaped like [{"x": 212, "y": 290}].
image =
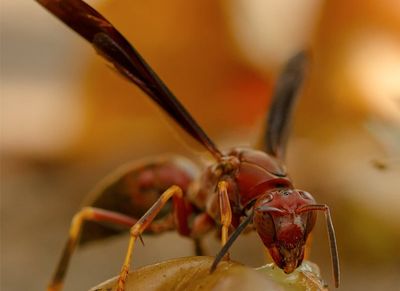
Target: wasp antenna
[
  {"x": 331, "y": 235},
  {"x": 230, "y": 241},
  {"x": 333, "y": 247}
]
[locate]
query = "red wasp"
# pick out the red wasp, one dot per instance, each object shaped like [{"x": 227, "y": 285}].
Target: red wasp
[{"x": 243, "y": 187}]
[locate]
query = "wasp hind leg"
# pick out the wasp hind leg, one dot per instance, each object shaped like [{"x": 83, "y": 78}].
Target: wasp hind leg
[{"x": 86, "y": 214}]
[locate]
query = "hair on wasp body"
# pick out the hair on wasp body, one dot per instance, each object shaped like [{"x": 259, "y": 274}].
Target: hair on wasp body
[{"x": 243, "y": 186}]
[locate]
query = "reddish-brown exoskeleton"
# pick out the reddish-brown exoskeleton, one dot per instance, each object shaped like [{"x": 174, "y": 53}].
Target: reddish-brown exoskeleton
[{"x": 242, "y": 187}]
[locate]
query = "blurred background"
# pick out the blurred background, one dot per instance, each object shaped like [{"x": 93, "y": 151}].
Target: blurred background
[{"x": 67, "y": 120}]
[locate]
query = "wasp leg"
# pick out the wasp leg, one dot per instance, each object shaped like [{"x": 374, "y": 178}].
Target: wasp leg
[
  {"x": 86, "y": 214},
  {"x": 198, "y": 247},
  {"x": 202, "y": 224},
  {"x": 225, "y": 210},
  {"x": 140, "y": 226}
]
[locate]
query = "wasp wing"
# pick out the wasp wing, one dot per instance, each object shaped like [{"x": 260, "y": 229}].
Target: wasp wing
[
  {"x": 283, "y": 101},
  {"x": 114, "y": 47}
]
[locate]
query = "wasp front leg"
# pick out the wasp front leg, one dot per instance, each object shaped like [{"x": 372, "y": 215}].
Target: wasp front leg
[{"x": 225, "y": 212}]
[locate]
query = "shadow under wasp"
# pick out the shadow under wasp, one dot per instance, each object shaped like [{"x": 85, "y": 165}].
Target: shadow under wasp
[{"x": 242, "y": 188}]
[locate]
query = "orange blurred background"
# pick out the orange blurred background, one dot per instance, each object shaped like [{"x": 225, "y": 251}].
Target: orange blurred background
[{"x": 67, "y": 120}]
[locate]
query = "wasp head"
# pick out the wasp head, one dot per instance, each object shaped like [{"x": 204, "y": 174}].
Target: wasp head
[{"x": 282, "y": 228}]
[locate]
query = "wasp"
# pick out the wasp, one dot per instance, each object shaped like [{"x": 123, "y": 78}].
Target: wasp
[{"x": 242, "y": 188}]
